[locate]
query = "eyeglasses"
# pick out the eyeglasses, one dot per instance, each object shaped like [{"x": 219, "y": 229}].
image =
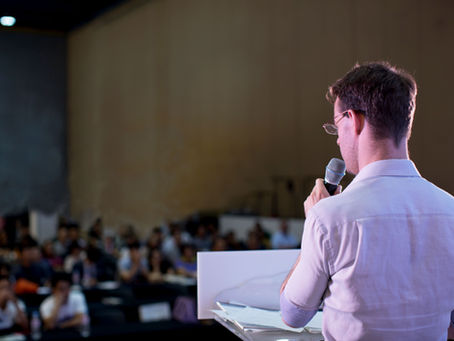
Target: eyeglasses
[{"x": 331, "y": 128}]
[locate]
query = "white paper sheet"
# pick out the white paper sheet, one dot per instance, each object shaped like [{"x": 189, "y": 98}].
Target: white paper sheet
[
  {"x": 248, "y": 317},
  {"x": 255, "y": 318}
]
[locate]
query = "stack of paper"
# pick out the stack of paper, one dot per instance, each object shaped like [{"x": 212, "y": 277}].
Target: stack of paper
[{"x": 248, "y": 318}]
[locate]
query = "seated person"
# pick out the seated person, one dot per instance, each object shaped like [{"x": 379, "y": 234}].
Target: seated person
[
  {"x": 133, "y": 266},
  {"x": 187, "y": 264},
  {"x": 87, "y": 269},
  {"x": 12, "y": 310},
  {"x": 64, "y": 308},
  {"x": 282, "y": 239},
  {"x": 48, "y": 255},
  {"x": 158, "y": 266},
  {"x": 75, "y": 255},
  {"x": 30, "y": 272}
]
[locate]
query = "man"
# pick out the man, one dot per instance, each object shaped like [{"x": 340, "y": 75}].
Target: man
[
  {"x": 12, "y": 311},
  {"x": 133, "y": 268},
  {"x": 64, "y": 308},
  {"x": 378, "y": 255},
  {"x": 282, "y": 239},
  {"x": 31, "y": 271}
]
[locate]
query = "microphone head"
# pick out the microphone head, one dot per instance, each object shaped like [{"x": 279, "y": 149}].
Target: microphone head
[{"x": 335, "y": 171}]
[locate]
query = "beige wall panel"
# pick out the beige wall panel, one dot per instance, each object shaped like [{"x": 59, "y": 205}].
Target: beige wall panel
[{"x": 178, "y": 106}]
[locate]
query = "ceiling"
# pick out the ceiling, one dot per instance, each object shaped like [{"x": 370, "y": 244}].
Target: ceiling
[{"x": 56, "y": 15}]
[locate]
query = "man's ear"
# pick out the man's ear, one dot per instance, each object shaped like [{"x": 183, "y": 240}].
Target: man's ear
[{"x": 358, "y": 121}]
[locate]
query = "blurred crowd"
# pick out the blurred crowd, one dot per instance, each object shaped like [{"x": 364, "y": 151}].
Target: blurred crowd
[{"x": 85, "y": 258}]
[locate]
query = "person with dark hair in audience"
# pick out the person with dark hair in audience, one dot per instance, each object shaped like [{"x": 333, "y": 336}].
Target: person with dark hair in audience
[
  {"x": 22, "y": 228},
  {"x": 133, "y": 267},
  {"x": 89, "y": 267},
  {"x": 30, "y": 272},
  {"x": 96, "y": 233},
  {"x": 254, "y": 241},
  {"x": 13, "y": 317},
  {"x": 155, "y": 239},
  {"x": 219, "y": 244},
  {"x": 128, "y": 235},
  {"x": 171, "y": 247},
  {"x": 263, "y": 236},
  {"x": 74, "y": 256},
  {"x": 48, "y": 255},
  {"x": 85, "y": 271},
  {"x": 158, "y": 266},
  {"x": 187, "y": 264},
  {"x": 202, "y": 239},
  {"x": 110, "y": 243},
  {"x": 65, "y": 308},
  {"x": 74, "y": 235},
  {"x": 232, "y": 242},
  {"x": 61, "y": 242},
  {"x": 282, "y": 239}
]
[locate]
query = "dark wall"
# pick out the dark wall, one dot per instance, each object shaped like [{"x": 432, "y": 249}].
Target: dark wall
[{"x": 33, "y": 171}]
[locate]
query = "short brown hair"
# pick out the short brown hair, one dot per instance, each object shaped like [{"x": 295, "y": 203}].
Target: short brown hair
[{"x": 384, "y": 94}]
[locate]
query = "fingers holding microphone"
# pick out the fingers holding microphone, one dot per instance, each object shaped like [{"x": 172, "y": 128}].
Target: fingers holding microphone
[
  {"x": 334, "y": 172},
  {"x": 318, "y": 193}
]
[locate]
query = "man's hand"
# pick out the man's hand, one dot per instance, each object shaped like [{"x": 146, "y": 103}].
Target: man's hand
[{"x": 318, "y": 193}]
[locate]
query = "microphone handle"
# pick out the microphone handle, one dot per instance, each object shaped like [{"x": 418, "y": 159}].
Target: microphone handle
[{"x": 330, "y": 188}]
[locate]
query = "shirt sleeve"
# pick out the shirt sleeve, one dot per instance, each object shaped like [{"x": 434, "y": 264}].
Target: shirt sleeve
[
  {"x": 293, "y": 315},
  {"x": 21, "y": 305},
  {"x": 46, "y": 308},
  {"x": 80, "y": 306},
  {"x": 306, "y": 286}
]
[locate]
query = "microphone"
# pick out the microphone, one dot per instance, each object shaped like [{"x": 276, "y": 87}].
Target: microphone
[{"x": 335, "y": 171}]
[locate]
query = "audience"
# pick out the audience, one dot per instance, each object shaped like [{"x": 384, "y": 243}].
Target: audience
[
  {"x": 12, "y": 311},
  {"x": 187, "y": 264},
  {"x": 158, "y": 266},
  {"x": 30, "y": 272},
  {"x": 98, "y": 254},
  {"x": 282, "y": 239},
  {"x": 65, "y": 308},
  {"x": 48, "y": 255},
  {"x": 75, "y": 256},
  {"x": 171, "y": 246},
  {"x": 104, "y": 255},
  {"x": 133, "y": 267},
  {"x": 87, "y": 268},
  {"x": 262, "y": 235},
  {"x": 74, "y": 235},
  {"x": 155, "y": 239},
  {"x": 219, "y": 244},
  {"x": 110, "y": 244},
  {"x": 202, "y": 240},
  {"x": 61, "y": 241}
]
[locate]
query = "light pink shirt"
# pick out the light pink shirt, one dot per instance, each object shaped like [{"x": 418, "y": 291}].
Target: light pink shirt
[{"x": 380, "y": 256}]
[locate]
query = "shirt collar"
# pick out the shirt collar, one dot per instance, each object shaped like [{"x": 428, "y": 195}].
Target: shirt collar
[{"x": 390, "y": 167}]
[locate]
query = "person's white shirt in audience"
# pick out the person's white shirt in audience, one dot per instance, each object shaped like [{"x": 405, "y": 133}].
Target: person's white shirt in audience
[
  {"x": 65, "y": 307},
  {"x": 282, "y": 239}
]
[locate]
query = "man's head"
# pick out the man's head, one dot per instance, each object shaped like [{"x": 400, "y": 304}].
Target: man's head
[
  {"x": 284, "y": 227},
  {"x": 74, "y": 248},
  {"x": 134, "y": 252},
  {"x": 61, "y": 284},
  {"x": 376, "y": 94},
  {"x": 73, "y": 231},
  {"x": 29, "y": 249}
]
